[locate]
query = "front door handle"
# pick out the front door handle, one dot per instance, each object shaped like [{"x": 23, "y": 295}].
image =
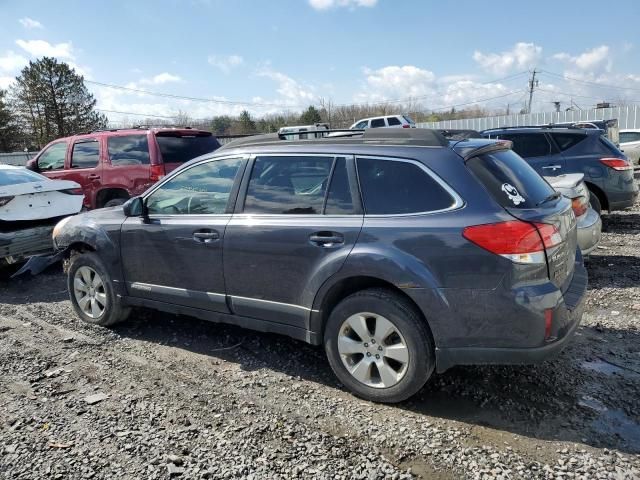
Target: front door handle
[
  {"x": 93, "y": 176},
  {"x": 326, "y": 239},
  {"x": 552, "y": 167},
  {"x": 205, "y": 236}
]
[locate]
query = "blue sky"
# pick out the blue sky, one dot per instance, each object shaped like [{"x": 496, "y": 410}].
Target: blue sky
[{"x": 287, "y": 54}]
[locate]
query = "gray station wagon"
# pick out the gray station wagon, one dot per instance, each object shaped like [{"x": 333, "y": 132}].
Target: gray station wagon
[{"x": 399, "y": 253}]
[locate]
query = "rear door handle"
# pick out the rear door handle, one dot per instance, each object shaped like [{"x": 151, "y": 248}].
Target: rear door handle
[
  {"x": 205, "y": 236},
  {"x": 326, "y": 239}
]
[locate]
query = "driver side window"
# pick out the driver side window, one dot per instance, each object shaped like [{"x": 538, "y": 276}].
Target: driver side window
[
  {"x": 53, "y": 157},
  {"x": 200, "y": 190}
]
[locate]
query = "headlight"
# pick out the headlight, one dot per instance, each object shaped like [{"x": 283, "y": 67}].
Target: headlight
[{"x": 59, "y": 226}]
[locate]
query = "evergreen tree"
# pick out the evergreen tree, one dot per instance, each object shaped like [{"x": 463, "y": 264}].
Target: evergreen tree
[
  {"x": 310, "y": 116},
  {"x": 10, "y": 138},
  {"x": 246, "y": 123}
]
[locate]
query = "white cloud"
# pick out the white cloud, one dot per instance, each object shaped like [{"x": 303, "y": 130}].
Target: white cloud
[
  {"x": 225, "y": 63},
  {"x": 161, "y": 79},
  {"x": 12, "y": 62},
  {"x": 42, "y": 48},
  {"x": 595, "y": 59},
  {"x": 522, "y": 55},
  {"x": 327, "y": 4},
  {"x": 291, "y": 90},
  {"x": 30, "y": 23},
  {"x": 5, "y": 82}
]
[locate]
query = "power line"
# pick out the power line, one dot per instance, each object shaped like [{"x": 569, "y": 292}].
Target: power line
[
  {"x": 587, "y": 82},
  {"x": 579, "y": 96}
]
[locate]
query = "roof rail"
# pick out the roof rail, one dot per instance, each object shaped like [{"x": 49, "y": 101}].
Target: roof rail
[{"x": 549, "y": 125}]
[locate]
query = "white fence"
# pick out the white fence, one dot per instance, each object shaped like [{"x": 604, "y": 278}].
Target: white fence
[{"x": 628, "y": 117}]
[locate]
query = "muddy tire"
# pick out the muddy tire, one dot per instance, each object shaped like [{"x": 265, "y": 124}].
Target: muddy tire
[
  {"x": 379, "y": 346},
  {"x": 91, "y": 291}
]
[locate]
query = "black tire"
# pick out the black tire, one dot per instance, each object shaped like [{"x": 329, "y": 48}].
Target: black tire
[
  {"x": 409, "y": 324},
  {"x": 113, "y": 310},
  {"x": 595, "y": 202},
  {"x": 114, "y": 202}
]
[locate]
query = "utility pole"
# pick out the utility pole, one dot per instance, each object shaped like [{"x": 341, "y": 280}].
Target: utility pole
[{"x": 533, "y": 83}]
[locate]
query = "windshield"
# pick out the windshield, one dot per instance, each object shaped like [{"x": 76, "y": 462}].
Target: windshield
[
  {"x": 19, "y": 175},
  {"x": 178, "y": 148}
]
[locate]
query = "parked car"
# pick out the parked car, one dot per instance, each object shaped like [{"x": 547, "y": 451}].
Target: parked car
[
  {"x": 589, "y": 223},
  {"x": 388, "y": 121},
  {"x": 609, "y": 128},
  {"x": 400, "y": 254},
  {"x": 555, "y": 151},
  {"x": 114, "y": 165},
  {"x": 301, "y": 132},
  {"x": 30, "y": 206},
  {"x": 630, "y": 145}
]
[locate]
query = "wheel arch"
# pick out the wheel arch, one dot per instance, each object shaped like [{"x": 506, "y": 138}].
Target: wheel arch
[
  {"x": 593, "y": 188},
  {"x": 108, "y": 193}
]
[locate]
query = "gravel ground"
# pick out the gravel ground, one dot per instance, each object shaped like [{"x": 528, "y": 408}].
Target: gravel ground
[{"x": 164, "y": 396}]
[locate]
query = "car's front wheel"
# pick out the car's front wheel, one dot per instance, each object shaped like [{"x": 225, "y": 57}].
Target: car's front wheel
[
  {"x": 91, "y": 291},
  {"x": 379, "y": 346}
]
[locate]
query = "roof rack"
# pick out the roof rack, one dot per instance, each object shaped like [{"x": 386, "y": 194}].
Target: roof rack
[
  {"x": 549, "y": 125},
  {"x": 390, "y": 136}
]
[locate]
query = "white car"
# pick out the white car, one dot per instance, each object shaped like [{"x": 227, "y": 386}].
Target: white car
[
  {"x": 387, "y": 121},
  {"x": 630, "y": 145},
  {"x": 301, "y": 132},
  {"x": 30, "y": 206}
]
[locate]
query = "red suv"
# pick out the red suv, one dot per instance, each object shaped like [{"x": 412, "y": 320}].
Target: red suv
[{"x": 114, "y": 165}]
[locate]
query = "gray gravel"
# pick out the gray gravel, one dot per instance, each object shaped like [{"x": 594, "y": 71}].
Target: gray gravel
[{"x": 172, "y": 397}]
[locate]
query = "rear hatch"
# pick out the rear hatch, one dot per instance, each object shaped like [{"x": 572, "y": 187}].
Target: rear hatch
[
  {"x": 181, "y": 145},
  {"x": 519, "y": 189}
]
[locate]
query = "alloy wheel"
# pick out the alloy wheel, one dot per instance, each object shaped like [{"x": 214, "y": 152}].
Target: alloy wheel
[{"x": 89, "y": 292}]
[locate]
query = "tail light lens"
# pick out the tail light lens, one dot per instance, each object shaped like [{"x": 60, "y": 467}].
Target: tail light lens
[
  {"x": 579, "y": 205},
  {"x": 406, "y": 125},
  {"x": 5, "y": 200},
  {"x": 157, "y": 172},
  {"x": 520, "y": 242},
  {"x": 616, "y": 164},
  {"x": 73, "y": 191}
]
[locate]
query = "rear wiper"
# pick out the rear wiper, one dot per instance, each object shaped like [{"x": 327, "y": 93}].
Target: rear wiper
[{"x": 550, "y": 197}]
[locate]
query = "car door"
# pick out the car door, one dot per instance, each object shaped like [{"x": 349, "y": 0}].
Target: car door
[
  {"x": 299, "y": 219},
  {"x": 174, "y": 254},
  {"x": 85, "y": 167},
  {"x": 538, "y": 151},
  {"x": 378, "y": 123}
]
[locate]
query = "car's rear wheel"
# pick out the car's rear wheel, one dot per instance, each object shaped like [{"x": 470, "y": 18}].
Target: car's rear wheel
[
  {"x": 91, "y": 291},
  {"x": 379, "y": 346}
]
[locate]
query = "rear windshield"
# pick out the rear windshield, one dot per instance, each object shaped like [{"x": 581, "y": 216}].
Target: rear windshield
[
  {"x": 408, "y": 120},
  {"x": 179, "y": 148},
  {"x": 511, "y": 181},
  {"x": 18, "y": 175}
]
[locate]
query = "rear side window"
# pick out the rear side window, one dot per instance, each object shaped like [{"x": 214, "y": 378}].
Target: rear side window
[
  {"x": 128, "y": 150},
  {"x": 177, "y": 148},
  {"x": 396, "y": 187},
  {"x": 511, "y": 181},
  {"x": 528, "y": 144},
  {"x": 85, "y": 154},
  {"x": 377, "y": 123},
  {"x": 567, "y": 140},
  {"x": 393, "y": 121},
  {"x": 339, "y": 200}
]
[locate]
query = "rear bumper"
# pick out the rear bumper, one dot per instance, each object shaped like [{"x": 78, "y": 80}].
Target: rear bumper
[
  {"x": 566, "y": 319},
  {"x": 20, "y": 244},
  {"x": 620, "y": 200},
  {"x": 589, "y": 231}
]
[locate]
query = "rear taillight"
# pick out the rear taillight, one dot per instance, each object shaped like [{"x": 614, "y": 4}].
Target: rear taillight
[
  {"x": 520, "y": 242},
  {"x": 157, "y": 172},
  {"x": 580, "y": 205},
  {"x": 548, "y": 323},
  {"x": 617, "y": 164},
  {"x": 5, "y": 200},
  {"x": 406, "y": 125},
  {"x": 73, "y": 191}
]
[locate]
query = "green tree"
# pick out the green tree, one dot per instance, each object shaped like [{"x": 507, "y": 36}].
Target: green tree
[
  {"x": 310, "y": 116},
  {"x": 10, "y": 137},
  {"x": 221, "y": 124},
  {"x": 52, "y": 101},
  {"x": 246, "y": 123}
]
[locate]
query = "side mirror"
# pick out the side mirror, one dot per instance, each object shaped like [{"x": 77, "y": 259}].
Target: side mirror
[
  {"x": 32, "y": 165},
  {"x": 134, "y": 207}
]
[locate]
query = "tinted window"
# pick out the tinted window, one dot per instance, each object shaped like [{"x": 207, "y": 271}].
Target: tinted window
[
  {"x": 362, "y": 124},
  {"x": 567, "y": 140},
  {"x": 393, "y": 121},
  {"x": 511, "y": 181},
  {"x": 85, "y": 154},
  {"x": 339, "y": 201},
  {"x": 529, "y": 144},
  {"x": 629, "y": 137},
  {"x": 177, "y": 148},
  {"x": 53, "y": 157},
  {"x": 377, "y": 122},
  {"x": 397, "y": 187},
  {"x": 289, "y": 185},
  {"x": 199, "y": 190},
  {"x": 128, "y": 150},
  {"x": 14, "y": 176}
]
